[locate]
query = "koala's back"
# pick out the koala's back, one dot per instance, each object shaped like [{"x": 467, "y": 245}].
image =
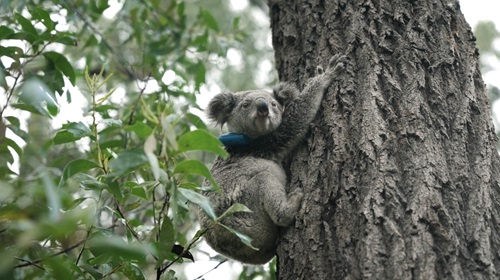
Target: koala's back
[{"x": 242, "y": 180}]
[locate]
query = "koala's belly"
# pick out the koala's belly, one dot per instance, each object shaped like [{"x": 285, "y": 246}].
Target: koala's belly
[{"x": 243, "y": 181}]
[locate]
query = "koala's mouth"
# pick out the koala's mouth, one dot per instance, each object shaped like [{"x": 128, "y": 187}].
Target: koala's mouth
[{"x": 264, "y": 125}]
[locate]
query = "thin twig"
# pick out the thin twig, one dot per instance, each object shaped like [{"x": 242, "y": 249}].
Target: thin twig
[
  {"x": 118, "y": 55},
  {"x": 217, "y": 266},
  {"x": 51, "y": 256},
  {"x": 117, "y": 208},
  {"x": 113, "y": 271},
  {"x": 184, "y": 252},
  {"x": 28, "y": 262},
  {"x": 10, "y": 94},
  {"x": 16, "y": 79}
]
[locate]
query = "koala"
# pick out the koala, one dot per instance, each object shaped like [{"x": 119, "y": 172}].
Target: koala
[{"x": 253, "y": 174}]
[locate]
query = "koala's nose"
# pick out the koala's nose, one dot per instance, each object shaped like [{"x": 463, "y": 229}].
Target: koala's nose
[{"x": 262, "y": 108}]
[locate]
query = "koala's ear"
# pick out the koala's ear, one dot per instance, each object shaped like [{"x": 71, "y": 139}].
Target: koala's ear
[
  {"x": 285, "y": 93},
  {"x": 220, "y": 107}
]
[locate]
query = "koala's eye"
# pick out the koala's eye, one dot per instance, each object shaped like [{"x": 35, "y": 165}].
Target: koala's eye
[
  {"x": 245, "y": 105},
  {"x": 274, "y": 103}
]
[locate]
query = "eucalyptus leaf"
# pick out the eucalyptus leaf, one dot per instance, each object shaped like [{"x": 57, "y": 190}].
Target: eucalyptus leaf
[
  {"x": 149, "y": 148},
  {"x": 235, "y": 208},
  {"x": 128, "y": 161},
  {"x": 71, "y": 132},
  {"x": 116, "y": 248},
  {"x": 37, "y": 94},
  {"x": 199, "y": 200},
  {"x": 62, "y": 64},
  {"x": 193, "y": 166},
  {"x": 166, "y": 238},
  {"x": 140, "y": 129},
  {"x": 245, "y": 239},
  {"x": 201, "y": 140},
  {"x": 75, "y": 167}
]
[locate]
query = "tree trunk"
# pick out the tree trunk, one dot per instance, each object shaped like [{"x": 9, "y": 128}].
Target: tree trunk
[{"x": 400, "y": 170}]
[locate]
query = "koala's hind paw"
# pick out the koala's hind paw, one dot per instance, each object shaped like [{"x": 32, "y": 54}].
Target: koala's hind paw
[{"x": 296, "y": 197}]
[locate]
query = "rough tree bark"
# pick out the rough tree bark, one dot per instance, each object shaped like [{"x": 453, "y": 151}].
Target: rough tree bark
[{"x": 400, "y": 171}]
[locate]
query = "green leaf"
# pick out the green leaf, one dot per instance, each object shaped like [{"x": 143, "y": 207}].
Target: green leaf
[
  {"x": 142, "y": 190},
  {"x": 140, "y": 129},
  {"x": 26, "y": 24},
  {"x": 114, "y": 188},
  {"x": 169, "y": 133},
  {"x": 5, "y": 154},
  {"x": 66, "y": 39},
  {"x": 128, "y": 161},
  {"x": 209, "y": 20},
  {"x": 192, "y": 166},
  {"x": 196, "y": 121},
  {"x": 59, "y": 268},
  {"x": 88, "y": 182},
  {"x": 199, "y": 77},
  {"x": 139, "y": 192},
  {"x": 201, "y": 41},
  {"x": 62, "y": 64},
  {"x": 71, "y": 132},
  {"x": 201, "y": 140},
  {"x": 117, "y": 249},
  {"x": 149, "y": 148},
  {"x": 91, "y": 41},
  {"x": 36, "y": 95},
  {"x": 43, "y": 16},
  {"x": 245, "y": 239},
  {"x": 132, "y": 272},
  {"x": 237, "y": 207},
  {"x": 9, "y": 142},
  {"x": 74, "y": 203},
  {"x": 98, "y": 6},
  {"x": 74, "y": 167},
  {"x": 55, "y": 80},
  {"x": 236, "y": 23},
  {"x": 167, "y": 238},
  {"x": 5, "y": 32},
  {"x": 13, "y": 121},
  {"x": 199, "y": 200},
  {"x": 12, "y": 52}
]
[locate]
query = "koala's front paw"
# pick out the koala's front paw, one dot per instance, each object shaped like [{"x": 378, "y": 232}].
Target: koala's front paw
[{"x": 338, "y": 63}]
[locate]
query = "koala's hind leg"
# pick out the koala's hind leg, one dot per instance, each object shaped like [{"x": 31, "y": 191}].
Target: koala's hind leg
[{"x": 280, "y": 207}]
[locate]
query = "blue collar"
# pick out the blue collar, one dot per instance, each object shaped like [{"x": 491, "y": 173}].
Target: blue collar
[{"x": 235, "y": 139}]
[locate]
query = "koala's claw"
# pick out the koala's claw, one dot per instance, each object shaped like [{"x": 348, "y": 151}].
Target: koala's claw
[
  {"x": 338, "y": 62},
  {"x": 338, "y": 59}
]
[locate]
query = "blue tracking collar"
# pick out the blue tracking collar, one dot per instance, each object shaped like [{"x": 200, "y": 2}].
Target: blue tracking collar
[{"x": 235, "y": 139}]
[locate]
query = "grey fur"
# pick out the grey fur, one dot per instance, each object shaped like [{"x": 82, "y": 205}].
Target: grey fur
[{"x": 253, "y": 174}]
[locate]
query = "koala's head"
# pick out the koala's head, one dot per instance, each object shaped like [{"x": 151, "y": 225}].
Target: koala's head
[{"x": 253, "y": 113}]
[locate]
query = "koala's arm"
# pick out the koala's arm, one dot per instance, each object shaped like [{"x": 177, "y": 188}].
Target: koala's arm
[{"x": 300, "y": 111}]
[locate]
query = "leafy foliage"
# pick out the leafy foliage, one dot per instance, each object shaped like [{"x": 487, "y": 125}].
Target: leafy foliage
[{"x": 109, "y": 193}]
